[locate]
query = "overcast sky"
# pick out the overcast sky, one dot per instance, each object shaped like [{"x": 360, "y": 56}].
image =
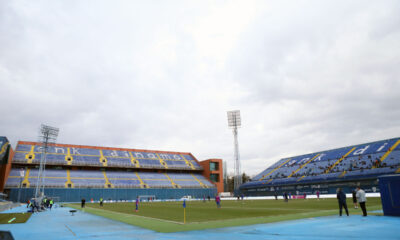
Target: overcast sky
[{"x": 306, "y": 75}]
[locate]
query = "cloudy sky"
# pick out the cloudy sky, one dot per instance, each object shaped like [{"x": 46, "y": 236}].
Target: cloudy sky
[{"x": 306, "y": 75}]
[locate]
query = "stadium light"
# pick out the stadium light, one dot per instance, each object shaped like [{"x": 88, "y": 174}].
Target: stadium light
[
  {"x": 235, "y": 122},
  {"x": 47, "y": 135}
]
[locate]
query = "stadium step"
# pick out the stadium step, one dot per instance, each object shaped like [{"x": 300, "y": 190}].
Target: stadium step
[
  {"x": 339, "y": 160},
  {"x": 270, "y": 180},
  {"x": 198, "y": 180},
  {"x": 69, "y": 183},
  {"x": 294, "y": 172},
  {"x": 273, "y": 170},
  {"x": 69, "y": 157},
  {"x": 102, "y": 159},
  {"x": 25, "y": 182},
  {"x": 172, "y": 181},
  {"x": 134, "y": 161},
  {"x": 389, "y": 151},
  {"x": 162, "y": 161},
  {"x": 31, "y": 155},
  {"x": 108, "y": 183},
  {"x": 3, "y": 148},
  {"x": 301, "y": 178},
  {"x": 190, "y": 164},
  {"x": 142, "y": 184}
]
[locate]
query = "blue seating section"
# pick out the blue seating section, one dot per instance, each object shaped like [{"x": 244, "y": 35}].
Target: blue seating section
[
  {"x": 353, "y": 162},
  {"x": 204, "y": 180},
  {"x": 96, "y": 179},
  {"x": 3, "y": 147},
  {"x": 84, "y": 156}
]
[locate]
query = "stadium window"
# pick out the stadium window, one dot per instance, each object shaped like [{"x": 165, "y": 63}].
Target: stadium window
[
  {"x": 214, "y": 166},
  {"x": 214, "y": 177}
]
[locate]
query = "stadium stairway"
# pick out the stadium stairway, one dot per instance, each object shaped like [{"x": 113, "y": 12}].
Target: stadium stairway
[
  {"x": 31, "y": 155},
  {"x": 26, "y": 182},
  {"x": 142, "y": 184},
  {"x": 189, "y": 163},
  {"x": 198, "y": 180},
  {"x": 172, "y": 182},
  {"x": 162, "y": 162},
  {"x": 273, "y": 170},
  {"x": 388, "y": 151},
  {"x": 68, "y": 157},
  {"x": 303, "y": 165},
  {"x": 108, "y": 183},
  {"x": 69, "y": 183},
  {"x": 340, "y": 160},
  {"x": 134, "y": 161}
]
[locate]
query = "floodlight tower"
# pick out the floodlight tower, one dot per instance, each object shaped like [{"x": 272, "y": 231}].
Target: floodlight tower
[
  {"x": 234, "y": 122},
  {"x": 47, "y": 135}
]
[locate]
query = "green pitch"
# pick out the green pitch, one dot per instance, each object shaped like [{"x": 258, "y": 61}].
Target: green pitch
[
  {"x": 169, "y": 216},
  {"x": 11, "y": 218}
]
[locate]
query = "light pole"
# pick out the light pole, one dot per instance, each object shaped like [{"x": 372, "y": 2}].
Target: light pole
[
  {"x": 235, "y": 122},
  {"x": 47, "y": 135}
]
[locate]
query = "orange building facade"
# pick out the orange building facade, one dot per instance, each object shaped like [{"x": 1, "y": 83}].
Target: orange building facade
[{"x": 213, "y": 170}]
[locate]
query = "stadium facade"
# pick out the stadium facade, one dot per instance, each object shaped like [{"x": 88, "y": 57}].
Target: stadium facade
[
  {"x": 74, "y": 172},
  {"x": 325, "y": 171}
]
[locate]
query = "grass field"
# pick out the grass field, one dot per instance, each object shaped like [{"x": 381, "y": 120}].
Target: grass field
[
  {"x": 168, "y": 216},
  {"x": 10, "y": 218}
]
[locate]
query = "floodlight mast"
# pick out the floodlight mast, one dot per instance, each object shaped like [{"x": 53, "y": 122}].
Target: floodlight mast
[
  {"x": 234, "y": 122},
  {"x": 47, "y": 135}
]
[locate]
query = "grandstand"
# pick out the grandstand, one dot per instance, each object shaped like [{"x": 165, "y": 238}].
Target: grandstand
[
  {"x": 325, "y": 171},
  {"x": 74, "y": 172}
]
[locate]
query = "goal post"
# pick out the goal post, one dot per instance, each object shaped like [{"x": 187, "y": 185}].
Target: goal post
[{"x": 147, "y": 198}]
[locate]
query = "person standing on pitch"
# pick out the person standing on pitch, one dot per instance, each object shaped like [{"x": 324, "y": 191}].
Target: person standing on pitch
[
  {"x": 101, "y": 202},
  {"x": 218, "y": 201},
  {"x": 342, "y": 201},
  {"x": 354, "y": 198},
  {"x": 361, "y": 200},
  {"x": 137, "y": 204},
  {"x": 83, "y": 201}
]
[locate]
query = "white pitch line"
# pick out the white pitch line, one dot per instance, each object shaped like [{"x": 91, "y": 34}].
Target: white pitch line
[
  {"x": 70, "y": 230},
  {"x": 131, "y": 215},
  {"x": 289, "y": 209}
]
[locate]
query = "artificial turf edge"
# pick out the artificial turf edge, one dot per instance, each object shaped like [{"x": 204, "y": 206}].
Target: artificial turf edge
[{"x": 163, "y": 226}]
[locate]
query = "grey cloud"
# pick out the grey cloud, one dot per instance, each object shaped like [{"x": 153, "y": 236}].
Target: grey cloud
[{"x": 307, "y": 76}]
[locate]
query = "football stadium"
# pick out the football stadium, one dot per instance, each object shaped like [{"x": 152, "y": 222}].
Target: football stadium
[
  {"x": 132, "y": 193},
  {"x": 221, "y": 119}
]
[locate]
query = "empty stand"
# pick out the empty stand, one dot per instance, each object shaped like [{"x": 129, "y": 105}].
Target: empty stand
[
  {"x": 80, "y": 156},
  {"x": 98, "y": 179},
  {"x": 349, "y": 163}
]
